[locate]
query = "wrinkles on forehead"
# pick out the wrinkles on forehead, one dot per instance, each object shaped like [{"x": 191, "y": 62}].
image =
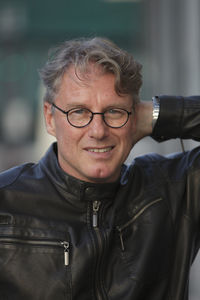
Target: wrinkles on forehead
[{"x": 84, "y": 75}]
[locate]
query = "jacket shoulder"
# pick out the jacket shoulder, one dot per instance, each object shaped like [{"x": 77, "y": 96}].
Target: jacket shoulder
[
  {"x": 174, "y": 166},
  {"x": 149, "y": 158},
  {"x": 9, "y": 176}
]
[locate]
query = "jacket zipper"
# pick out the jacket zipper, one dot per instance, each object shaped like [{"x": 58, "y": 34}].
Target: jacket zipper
[
  {"x": 95, "y": 206},
  {"x": 95, "y": 224},
  {"x": 66, "y": 252},
  {"x": 121, "y": 228},
  {"x": 40, "y": 243}
]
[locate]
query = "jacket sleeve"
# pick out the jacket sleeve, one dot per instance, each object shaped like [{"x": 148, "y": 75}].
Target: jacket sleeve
[{"x": 179, "y": 117}]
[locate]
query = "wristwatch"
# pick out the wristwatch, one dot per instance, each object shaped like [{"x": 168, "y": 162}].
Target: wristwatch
[{"x": 156, "y": 110}]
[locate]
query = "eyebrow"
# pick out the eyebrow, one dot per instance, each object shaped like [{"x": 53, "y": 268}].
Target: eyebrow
[
  {"x": 79, "y": 103},
  {"x": 74, "y": 104}
]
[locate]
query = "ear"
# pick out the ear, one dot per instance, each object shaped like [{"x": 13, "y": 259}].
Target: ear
[{"x": 49, "y": 118}]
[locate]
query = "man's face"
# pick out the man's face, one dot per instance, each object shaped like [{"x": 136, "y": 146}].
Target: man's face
[{"x": 96, "y": 152}]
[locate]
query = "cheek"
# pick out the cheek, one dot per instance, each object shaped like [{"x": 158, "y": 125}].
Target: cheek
[
  {"x": 125, "y": 142},
  {"x": 128, "y": 134},
  {"x": 132, "y": 133},
  {"x": 68, "y": 137},
  {"x": 61, "y": 127}
]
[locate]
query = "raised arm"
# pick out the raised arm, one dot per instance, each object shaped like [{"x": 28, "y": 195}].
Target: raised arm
[{"x": 178, "y": 117}]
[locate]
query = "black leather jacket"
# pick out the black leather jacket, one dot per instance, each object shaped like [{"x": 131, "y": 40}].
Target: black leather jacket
[{"x": 61, "y": 238}]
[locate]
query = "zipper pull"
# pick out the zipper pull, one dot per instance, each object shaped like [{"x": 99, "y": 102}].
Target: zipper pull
[
  {"x": 121, "y": 238},
  {"x": 66, "y": 252},
  {"x": 96, "y": 205}
]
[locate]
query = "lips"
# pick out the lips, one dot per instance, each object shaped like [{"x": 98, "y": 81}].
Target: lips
[{"x": 100, "y": 150}]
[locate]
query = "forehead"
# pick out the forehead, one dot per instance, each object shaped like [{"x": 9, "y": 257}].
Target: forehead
[
  {"x": 93, "y": 86},
  {"x": 75, "y": 81}
]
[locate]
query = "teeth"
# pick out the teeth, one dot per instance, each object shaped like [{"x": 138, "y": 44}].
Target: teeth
[{"x": 100, "y": 150}]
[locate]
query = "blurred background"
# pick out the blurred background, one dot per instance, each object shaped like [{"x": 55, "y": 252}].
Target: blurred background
[{"x": 163, "y": 35}]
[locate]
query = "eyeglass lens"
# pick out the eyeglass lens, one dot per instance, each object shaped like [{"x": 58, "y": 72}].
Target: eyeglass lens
[{"x": 114, "y": 117}]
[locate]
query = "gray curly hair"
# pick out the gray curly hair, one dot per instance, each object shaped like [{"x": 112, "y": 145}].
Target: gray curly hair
[{"x": 80, "y": 53}]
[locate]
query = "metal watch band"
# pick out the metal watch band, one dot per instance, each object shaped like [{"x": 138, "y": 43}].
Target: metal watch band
[{"x": 156, "y": 110}]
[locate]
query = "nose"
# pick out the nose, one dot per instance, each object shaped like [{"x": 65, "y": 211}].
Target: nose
[{"x": 97, "y": 128}]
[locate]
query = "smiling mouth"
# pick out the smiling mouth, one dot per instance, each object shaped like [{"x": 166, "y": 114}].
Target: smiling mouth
[{"x": 98, "y": 150}]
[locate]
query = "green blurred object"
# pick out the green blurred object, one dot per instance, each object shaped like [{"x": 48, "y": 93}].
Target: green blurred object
[
  {"x": 69, "y": 18},
  {"x": 29, "y": 28}
]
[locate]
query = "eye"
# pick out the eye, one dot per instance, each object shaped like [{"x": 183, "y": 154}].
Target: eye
[
  {"x": 78, "y": 111},
  {"x": 112, "y": 111},
  {"x": 115, "y": 112}
]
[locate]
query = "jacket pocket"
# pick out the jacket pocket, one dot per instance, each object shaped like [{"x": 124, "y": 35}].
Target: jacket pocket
[
  {"x": 34, "y": 259},
  {"x": 33, "y": 245},
  {"x": 146, "y": 241},
  {"x": 123, "y": 227}
]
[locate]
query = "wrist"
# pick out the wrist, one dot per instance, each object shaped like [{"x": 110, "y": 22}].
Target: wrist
[{"x": 144, "y": 118}]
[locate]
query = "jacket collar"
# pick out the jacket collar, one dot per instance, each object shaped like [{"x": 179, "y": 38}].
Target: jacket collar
[{"x": 80, "y": 189}]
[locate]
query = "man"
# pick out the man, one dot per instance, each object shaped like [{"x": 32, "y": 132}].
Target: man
[{"x": 80, "y": 224}]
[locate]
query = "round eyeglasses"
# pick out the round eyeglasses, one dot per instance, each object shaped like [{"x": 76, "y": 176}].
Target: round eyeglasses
[{"x": 81, "y": 117}]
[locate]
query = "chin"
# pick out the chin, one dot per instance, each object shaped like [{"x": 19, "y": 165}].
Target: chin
[{"x": 103, "y": 176}]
